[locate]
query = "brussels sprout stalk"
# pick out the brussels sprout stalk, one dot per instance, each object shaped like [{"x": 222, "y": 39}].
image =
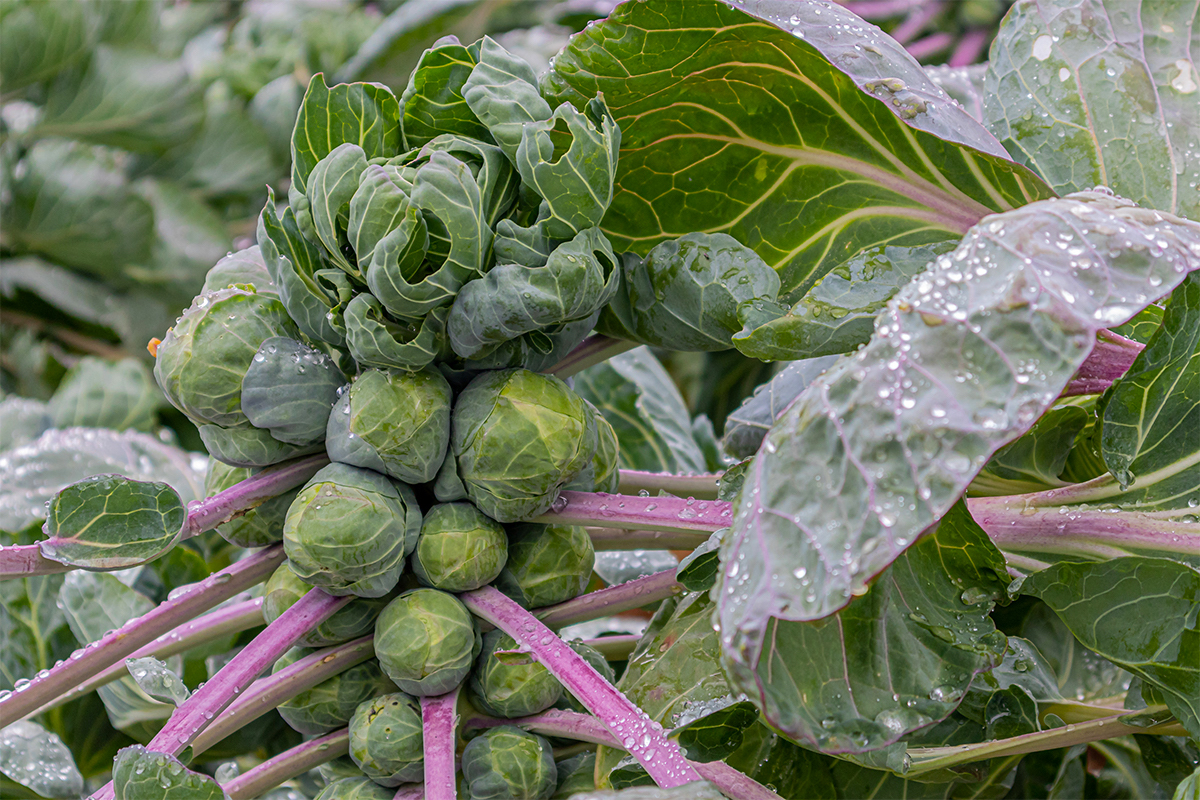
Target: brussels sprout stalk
[
  {"x": 591, "y": 351},
  {"x": 620, "y": 539},
  {"x": 1109, "y": 360},
  {"x": 198, "y": 711},
  {"x": 701, "y": 486},
  {"x": 288, "y": 764},
  {"x": 440, "y": 718},
  {"x": 672, "y": 514},
  {"x": 117, "y": 645},
  {"x": 612, "y": 600},
  {"x": 661, "y": 757}
]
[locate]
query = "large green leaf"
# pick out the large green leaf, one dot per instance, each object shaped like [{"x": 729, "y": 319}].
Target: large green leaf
[
  {"x": 38, "y": 40},
  {"x": 21, "y": 421},
  {"x": 139, "y": 774},
  {"x": 748, "y": 424},
  {"x": 1140, "y": 613},
  {"x": 104, "y": 394},
  {"x": 965, "y": 359},
  {"x": 1035, "y": 461},
  {"x": 38, "y": 759},
  {"x": 432, "y": 102},
  {"x": 707, "y": 98},
  {"x": 32, "y": 627},
  {"x": 1091, "y": 92}
]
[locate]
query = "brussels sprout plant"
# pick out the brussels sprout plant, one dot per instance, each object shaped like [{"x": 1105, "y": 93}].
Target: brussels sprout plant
[{"x": 736, "y": 408}]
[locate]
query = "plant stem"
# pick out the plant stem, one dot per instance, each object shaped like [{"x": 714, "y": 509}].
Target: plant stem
[
  {"x": 591, "y": 351},
  {"x": 612, "y": 600},
  {"x": 266, "y": 693},
  {"x": 701, "y": 485},
  {"x": 289, "y": 764},
  {"x": 616, "y": 539},
  {"x": 206, "y": 628},
  {"x": 198, "y": 711},
  {"x": 573, "y": 725},
  {"x": 614, "y": 648},
  {"x": 673, "y": 514},
  {"x": 114, "y": 647},
  {"x": 644, "y": 738},
  {"x": 23, "y": 560},
  {"x": 1109, "y": 360},
  {"x": 439, "y": 717}
]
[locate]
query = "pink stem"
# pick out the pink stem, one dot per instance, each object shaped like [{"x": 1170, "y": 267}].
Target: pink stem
[
  {"x": 923, "y": 48},
  {"x": 114, "y": 647},
  {"x": 612, "y": 600},
  {"x": 591, "y": 351},
  {"x": 699, "y": 485},
  {"x": 642, "y": 737},
  {"x": 969, "y": 48},
  {"x": 603, "y": 510},
  {"x": 439, "y": 716},
  {"x": 289, "y": 764},
  {"x": 916, "y": 22},
  {"x": 878, "y": 9},
  {"x": 22, "y": 560},
  {"x": 1109, "y": 360}
]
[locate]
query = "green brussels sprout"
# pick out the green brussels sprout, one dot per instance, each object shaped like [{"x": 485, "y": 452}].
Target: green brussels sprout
[
  {"x": 426, "y": 641},
  {"x": 356, "y": 619},
  {"x": 349, "y": 530},
  {"x": 510, "y": 690},
  {"x": 261, "y": 525},
  {"x": 243, "y": 268},
  {"x": 386, "y": 739},
  {"x": 250, "y": 447},
  {"x": 330, "y": 704},
  {"x": 289, "y": 390},
  {"x": 393, "y": 422},
  {"x": 460, "y": 548},
  {"x": 517, "y": 437},
  {"x": 603, "y": 474},
  {"x": 575, "y": 774},
  {"x": 202, "y": 360},
  {"x": 507, "y": 763},
  {"x": 360, "y": 788},
  {"x": 547, "y": 564}
]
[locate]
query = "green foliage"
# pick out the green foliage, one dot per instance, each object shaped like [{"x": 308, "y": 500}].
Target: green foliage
[
  {"x": 140, "y": 774},
  {"x": 460, "y": 548},
  {"x": 354, "y": 789},
  {"x": 426, "y": 641},
  {"x": 101, "y": 394},
  {"x": 507, "y": 763},
  {"x": 386, "y": 739},
  {"x": 331, "y": 704}
]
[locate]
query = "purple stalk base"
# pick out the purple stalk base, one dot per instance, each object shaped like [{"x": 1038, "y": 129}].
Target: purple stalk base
[
  {"x": 439, "y": 716},
  {"x": 620, "y": 539},
  {"x": 267, "y": 693},
  {"x": 214, "y": 696},
  {"x": 289, "y": 764},
  {"x": 1109, "y": 360},
  {"x": 213, "y": 625},
  {"x": 674, "y": 514},
  {"x": 573, "y": 725},
  {"x": 23, "y": 560},
  {"x": 643, "y": 737},
  {"x": 204, "y": 515},
  {"x": 114, "y": 647},
  {"x": 611, "y": 600},
  {"x": 703, "y": 486},
  {"x": 591, "y": 351}
]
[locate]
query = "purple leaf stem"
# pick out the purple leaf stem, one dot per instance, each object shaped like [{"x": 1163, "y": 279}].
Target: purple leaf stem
[
  {"x": 289, "y": 764},
  {"x": 268, "y": 692},
  {"x": 923, "y": 48},
  {"x": 969, "y": 47},
  {"x": 439, "y": 716},
  {"x": 586, "y": 728},
  {"x": 206, "y": 514},
  {"x": 879, "y": 9},
  {"x": 231, "y": 619},
  {"x": 591, "y": 351},
  {"x": 916, "y": 21},
  {"x": 700, "y": 485},
  {"x": 114, "y": 647},
  {"x": 198, "y": 711},
  {"x": 603, "y": 510},
  {"x": 1109, "y": 360},
  {"x": 22, "y": 560},
  {"x": 641, "y": 736},
  {"x": 614, "y": 648},
  {"x": 611, "y": 600},
  {"x": 619, "y": 539}
]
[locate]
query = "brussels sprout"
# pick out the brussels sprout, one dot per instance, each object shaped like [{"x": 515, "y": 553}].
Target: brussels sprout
[
  {"x": 243, "y": 268},
  {"x": 355, "y": 789},
  {"x": 289, "y": 389},
  {"x": 603, "y": 474},
  {"x": 575, "y": 774},
  {"x": 392, "y": 422},
  {"x": 460, "y": 548},
  {"x": 386, "y": 740},
  {"x": 507, "y": 763},
  {"x": 357, "y": 618},
  {"x": 517, "y": 437},
  {"x": 249, "y": 446},
  {"x": 330, "y": 704},
  {"x": 261, "y": 525},
  {"x": 514, "y": 689},
  {"x": 547, "y": 564},
  {"x": 426, "y": 641},
  {"x": 349, "y": 530},
  {"x": 202, "y": 360}
]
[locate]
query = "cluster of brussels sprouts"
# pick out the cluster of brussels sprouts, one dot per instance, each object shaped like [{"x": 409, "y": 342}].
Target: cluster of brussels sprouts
[{"x": 397, "y": 315}]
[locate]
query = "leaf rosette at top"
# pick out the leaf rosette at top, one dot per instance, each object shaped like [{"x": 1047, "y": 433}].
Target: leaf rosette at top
[
  {"x": 1092, "y": 92},
  {"x": 432, "y": 103},
  {"x": 705, "y": 95},
  {"x": 964, "y": 360}
]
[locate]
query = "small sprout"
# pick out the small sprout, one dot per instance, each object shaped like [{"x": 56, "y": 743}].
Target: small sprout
[
  {"x": 330, "y": 704},
  {"x": 547, "y": 564},
  {"x": 386, "y": 739},
  {"x": 426, "y": 641},
  {"x": 511, "y": 690},
  {"x": 460, "y": 548},
  {"x": 508, "y": 763}
]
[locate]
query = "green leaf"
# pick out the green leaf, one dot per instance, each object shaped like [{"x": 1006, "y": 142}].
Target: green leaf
[
  {"x": 894, "y": 660},
  {"x": 289, "y": 389},
  {"x": 31, "y": 475},
  {"x": 452, "y": 201},
  {"x": 34, "y": 630},
  {"x": 242, "y": 267},
  {"x": 38, "y": 40},
  {"x": 963, "y": 362},
  {"x": 748, "y": 424},
  {"x": 104, "y": 394},
  {"x": 1140, "y": 613},
  {"x": 331, "y": 185},
  {"x": 21, "y": 421},
  {"x": 635, "y": 394},
  {"x": 375, "y": 340},
  {"x": 36, "y": 758},
  {"x": 502, "y": 91},
  {"x": 1189, "y": 788},
  {"x": 190, "y": 238},
  {"x": 716, "y": 735},
  {"x": 1011, "y": 712},
  {"x": 697, "y": 571},
  {"x": 1121, "y": 83},
  {"x": 249, "y": 446},
  {"x": 511, "y": 300},
  {"x": 1033, "y": 462},
  {"x": 124, "y": 98},
  {"x": 157, "y": 680},
  {"x": 139, "y": 774},
  {"x": 838, "y": 314},
  {"x": 433, "y": 101},
  {"x": 378, "y": 207},
  {"x": 705, "y": 96},
  {"x": 365, "y": 114}
]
